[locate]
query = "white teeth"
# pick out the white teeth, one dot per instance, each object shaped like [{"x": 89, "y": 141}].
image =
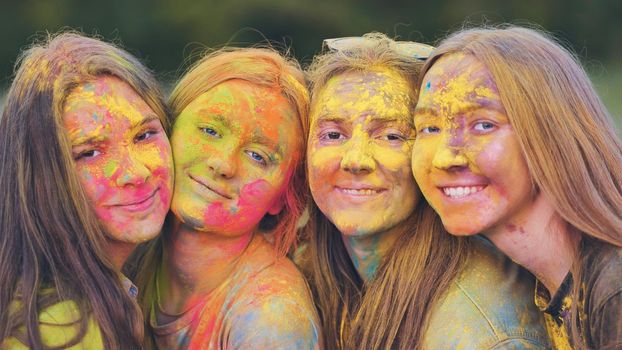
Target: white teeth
[
  {"x": 459, "y": 192},
  {"x": 359, "y": 192}
]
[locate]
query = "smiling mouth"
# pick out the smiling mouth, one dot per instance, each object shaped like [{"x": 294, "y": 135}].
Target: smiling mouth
[
  {"x": 361, "y": 192},
  {"x": 218, "y": 192},
  {"x": 461, "y": 191},
  {"x": 139, "y": 205}
]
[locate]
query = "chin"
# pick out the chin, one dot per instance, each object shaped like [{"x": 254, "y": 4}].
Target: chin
[{"x": 461, "y": 229}]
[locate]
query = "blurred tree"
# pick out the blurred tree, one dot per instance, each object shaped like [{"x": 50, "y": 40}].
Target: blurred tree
[{"x": 164, "y": 33}]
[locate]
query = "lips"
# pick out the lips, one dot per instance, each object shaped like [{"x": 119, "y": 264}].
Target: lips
[
  {"x": 359, "y": 192},
  {"x": 138, "y": 204},
  {"x": 211, "y": 187}
]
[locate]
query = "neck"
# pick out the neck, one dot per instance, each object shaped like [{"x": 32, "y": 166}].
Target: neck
[
  {"x": 118, "y": 252},
  {"x": 367, "y": 252},
  {"x": 194, "y": 263},
  {"x": 537, "y": 238}
]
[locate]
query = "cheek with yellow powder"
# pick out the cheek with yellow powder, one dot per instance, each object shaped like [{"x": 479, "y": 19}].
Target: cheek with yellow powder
[
  {"x": 122, "y": 156},
  {"x": 466, "y": 158},
  {"x": 227, "y": 177},
  {"x": 359, "y": 152}
]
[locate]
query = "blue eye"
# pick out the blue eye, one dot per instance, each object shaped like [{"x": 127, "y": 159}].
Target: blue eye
[
  {"x": 430, "y": 130},
  {"x": 483, "y": 126},
  {"x": 257, "y": 157},
  {"x": 210, "y": 132}
]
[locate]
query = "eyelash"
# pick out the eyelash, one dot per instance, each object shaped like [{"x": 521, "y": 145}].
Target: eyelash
[
  {"x": 210, "y": 131},
  {"x": 263, "y": 161},
  {"x": 83, "y": 154},
  {"x": 148, "y": 134},
  {"x": 326, "y": 136},
  {"x": 492, "y": 126}
]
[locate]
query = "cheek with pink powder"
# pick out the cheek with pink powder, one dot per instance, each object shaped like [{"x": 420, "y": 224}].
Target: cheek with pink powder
[{"x": 122, "y": 157}]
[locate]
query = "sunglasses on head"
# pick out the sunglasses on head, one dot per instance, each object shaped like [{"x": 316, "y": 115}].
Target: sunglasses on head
[{"x": 411, "y": 49}]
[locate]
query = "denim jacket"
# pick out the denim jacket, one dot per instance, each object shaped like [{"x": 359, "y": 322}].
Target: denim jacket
[{"x": 489, "y": 306}]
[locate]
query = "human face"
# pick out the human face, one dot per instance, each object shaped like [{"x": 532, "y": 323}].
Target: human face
[
  {"x": 235, "y": 149},
  {"x": 359, "y": 152},
  {"x": 467, "y": 159},
  {"x": 122, "y": 157}
]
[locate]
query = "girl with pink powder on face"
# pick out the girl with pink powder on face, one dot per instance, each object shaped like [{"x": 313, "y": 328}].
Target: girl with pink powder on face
[
  {"x": 86, "y": 175},
  {"x": 213, "y": 281}
]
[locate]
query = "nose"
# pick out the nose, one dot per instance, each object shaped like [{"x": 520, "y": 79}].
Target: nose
[
  {"x": 449, "y": 155},
  {"x": 222, "y": 164},
  {"x": 132, "y": 171},
  {"x": 357, "y": 157}
]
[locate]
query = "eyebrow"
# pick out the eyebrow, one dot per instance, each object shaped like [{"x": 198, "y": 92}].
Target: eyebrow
[
  {"x": 330, "y": 118},
  {"x": 425, "y": 110},
  {"x": 469, "y": 108},
  {"x": 263, "y": 140},
  {"x": 101, "y": 138},
  {"x": 374, "y": 118},
  {"x": 216, "y": 117},
  {"x": 88, "y": 140},
  {"x": 146, "y": 120}
]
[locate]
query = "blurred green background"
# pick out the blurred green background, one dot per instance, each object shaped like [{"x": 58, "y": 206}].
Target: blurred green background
[{"x": 165, "y": 33}]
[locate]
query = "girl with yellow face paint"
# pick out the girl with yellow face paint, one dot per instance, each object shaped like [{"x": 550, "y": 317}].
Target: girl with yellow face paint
[
  {"x": 383, "y": 271},
  {"x": 514, "y": 144},
  {"x": 86, "y": 175},
  {"x": 219, "y": 278}
]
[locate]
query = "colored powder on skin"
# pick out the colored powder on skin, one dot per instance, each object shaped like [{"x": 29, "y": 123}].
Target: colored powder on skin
[{"x": 111, "y": 167}]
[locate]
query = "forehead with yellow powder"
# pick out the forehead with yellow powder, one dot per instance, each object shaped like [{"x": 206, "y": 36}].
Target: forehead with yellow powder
[
  {"x": 456, "y": 83},
  {"x": 256, "y": 113},
  {"x": 378, "y": 91},
  {"x": 106, "y": 97}
]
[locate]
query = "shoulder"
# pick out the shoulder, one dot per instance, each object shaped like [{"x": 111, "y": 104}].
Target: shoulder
[
  {"x": 602, "y": 275},
  {"x": 490, "y": 306},
  {"x": 273, "y": 310},
  {"x": 59, "y": 325},
  {"x": 604, "y": 297}
]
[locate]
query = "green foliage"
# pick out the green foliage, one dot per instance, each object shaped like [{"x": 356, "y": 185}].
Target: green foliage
[{"x": 166, "y": 33}]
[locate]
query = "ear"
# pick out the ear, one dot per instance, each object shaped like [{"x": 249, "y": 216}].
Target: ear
[{"x": 277, "y": 206}]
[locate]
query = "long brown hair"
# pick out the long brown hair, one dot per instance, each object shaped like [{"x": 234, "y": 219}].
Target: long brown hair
[
  {"x": 391, "y": 310},
  {"x": 568, "y": 138},
  {"x": 51, "y": 242}
]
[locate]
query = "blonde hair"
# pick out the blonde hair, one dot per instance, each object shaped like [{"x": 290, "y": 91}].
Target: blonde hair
[
  {"x": 568, "y": 139},
  {"x": 391, "y": 310},
  {"x": 51, "y": 246}
]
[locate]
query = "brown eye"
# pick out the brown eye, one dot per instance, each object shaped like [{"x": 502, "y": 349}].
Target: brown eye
[
  {"x": 87, "y": 154},
  {"x": 333, "y": 135}
]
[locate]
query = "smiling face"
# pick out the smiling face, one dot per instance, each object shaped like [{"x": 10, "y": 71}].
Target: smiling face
[
  {"x": 359, "y": 152},
  {"x": 466, "y": 158},
  {"x": 235, "y": 150},
  {"x": 122, "y": 157}
]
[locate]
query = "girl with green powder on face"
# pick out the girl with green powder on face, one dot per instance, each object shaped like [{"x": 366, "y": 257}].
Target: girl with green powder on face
[
  {"x": 86, "y": 175},
  {"x": 384, "y": 273},
  {"x": 213, "y": 280},
  {"x": 513, "y": 143}
]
